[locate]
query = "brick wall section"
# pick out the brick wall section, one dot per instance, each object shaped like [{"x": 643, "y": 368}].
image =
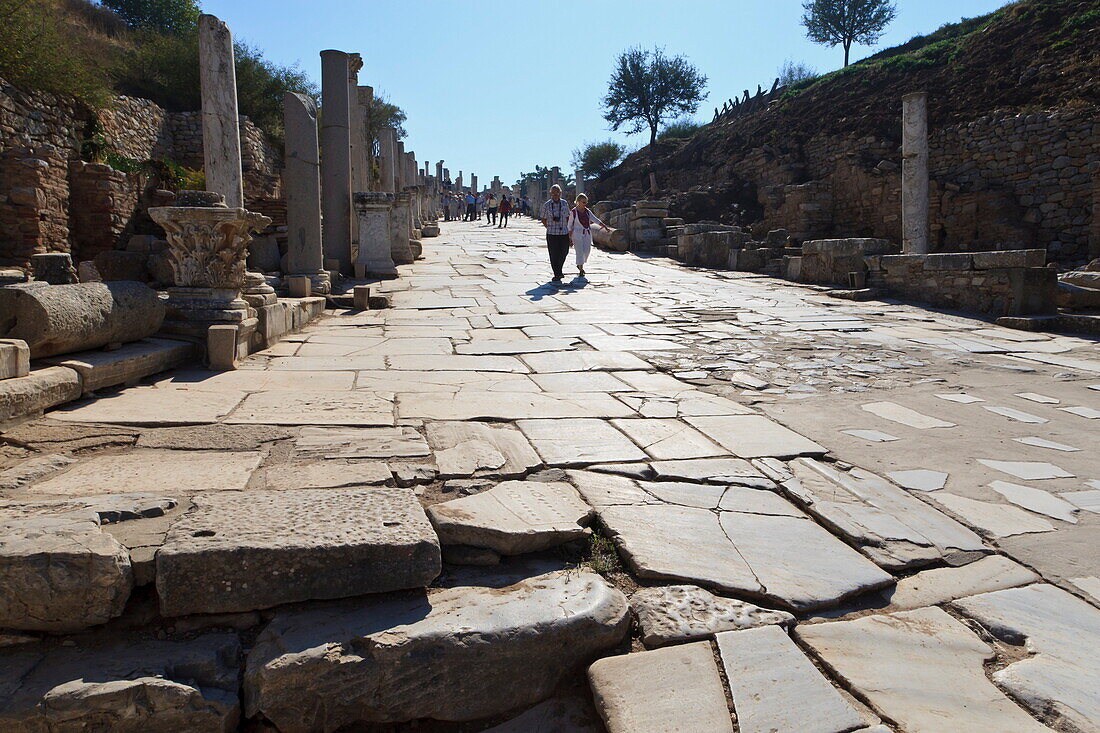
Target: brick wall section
[
  {"x": 34, "y": 199},
  {"x": 103, "y": 203}
]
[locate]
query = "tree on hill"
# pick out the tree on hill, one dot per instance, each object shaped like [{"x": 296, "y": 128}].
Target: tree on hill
[
  {"x": 844, "y": 22},
  {"x": 648, "y": 87},
  {"x": 162, "y": 16},
  {"x": 596, "y": 159}
]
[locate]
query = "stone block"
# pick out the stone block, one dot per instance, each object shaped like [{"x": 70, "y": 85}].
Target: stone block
[
  {"x": 948, "y": 261},
  {"x": 240, "y": 551},
  {"x": 126, "y": 365},
  {"x": 1033, "y": 291},
  {"x": 221, "y": 348},
  {"x": 495, "y": 645},
  {"x": 299, "y": 286},
  {"x": 15, "y": 359},
  {"x": 264, "y": 255},
  {"x": 1009, "y": 258},
  {"x": 114, "y": 265},
  {"x": 30, "y": 396},
  {"x": 60, "y": 572},
  {"x": 122, "y": 684},
  {"x": 901, "y": 263},
  {"x": 361, "y": 297},
  {"x": 273, "y": 322},
  {"x": 792, "y": 267}
]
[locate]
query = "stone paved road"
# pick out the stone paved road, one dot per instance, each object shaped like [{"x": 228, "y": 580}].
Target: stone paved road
[{"x": 864, "y": 466}]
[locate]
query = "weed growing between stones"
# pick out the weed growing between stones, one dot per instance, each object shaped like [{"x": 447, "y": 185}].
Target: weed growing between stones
[{"x": 603, "y": 558}]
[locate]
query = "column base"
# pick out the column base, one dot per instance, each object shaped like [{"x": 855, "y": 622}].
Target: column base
[{"x": 375, "y": 270}]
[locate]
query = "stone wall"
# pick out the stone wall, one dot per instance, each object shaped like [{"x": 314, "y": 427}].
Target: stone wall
[
  {"x": 51, "y": 200},
  {"x": 34, "y": 203},
  {"x": 996, "y": 283}
]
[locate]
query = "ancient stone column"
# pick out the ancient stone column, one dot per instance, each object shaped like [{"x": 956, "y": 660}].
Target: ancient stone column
[
  {"x": 473, "y": 184},
  {"x": 302, "y": 188},
  {"x": 336, "y": 158},
  {"x": 375, "y": 258},
  {"x": 401, "y": 229},
  {"x": 579, "y": 175},
  {"x": 357, "y": 128},
  {"x": 221, "y": 132},
  {"x": 366, "y": 99},
  {"x": 387, "y": 149},
  {"x": 399, "y": 162},
  {"x": 914, "y": 173}
]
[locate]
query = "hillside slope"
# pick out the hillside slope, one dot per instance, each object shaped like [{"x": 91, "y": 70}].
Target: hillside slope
[{"x": 1030, "y": 55}]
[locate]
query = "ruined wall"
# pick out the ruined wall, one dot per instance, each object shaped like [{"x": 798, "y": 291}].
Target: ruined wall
[
  {"x": 51, "y": 200},
  {"x": 34, "y": 203}
]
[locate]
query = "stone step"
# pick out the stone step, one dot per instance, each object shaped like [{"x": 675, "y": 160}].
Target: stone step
[
  {"x": 122, "y": 684},
  {"x": 127, "y": 364},
  {"x": 494, "y": 647},
  {"x": 241, "y": 551}
]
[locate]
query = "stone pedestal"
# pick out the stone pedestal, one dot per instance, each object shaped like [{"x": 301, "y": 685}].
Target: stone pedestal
[
  {"x": 375, "y": 259},
  {"x": 207, "y": 247},
  {"x": 256, "y": 292},
  {"x": 336, "y": 158},
  {"x": 914, "y": 173},
  {"x": 302, "y": 187},
  {"x": 221, "y": 135},
  {"x": 401, "y": 229}
]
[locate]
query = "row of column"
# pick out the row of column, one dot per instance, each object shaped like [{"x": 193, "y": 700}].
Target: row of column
[{"x": 339, "y": 219}]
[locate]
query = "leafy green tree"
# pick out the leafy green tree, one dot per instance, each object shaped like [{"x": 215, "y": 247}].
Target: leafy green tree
[
  {"x": 383, "y": 113},
  {"x": 844, "y": 22},
  {"x": 163, "y": 16},
  {"x": 685, "y": 127},
  {"x": 793, "y": 72},
  {"x": 596, "y": 159},
  {"x": 648, "y": 87}
]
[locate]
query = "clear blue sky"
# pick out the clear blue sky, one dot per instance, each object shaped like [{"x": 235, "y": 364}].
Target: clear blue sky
[{"x": 474, "y": 75}]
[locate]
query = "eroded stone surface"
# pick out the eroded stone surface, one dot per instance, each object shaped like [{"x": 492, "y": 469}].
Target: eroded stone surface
[
  {"x": 776, "y": 688},
  {"x": 381, "y": 442},
  {"x": 513, "y": 517},
  {"x": 579, "y": 442},
  {"x": 60, "y": 572},
  {"x": 921, "y": 669},
  {"x": 239, "y": 551},
  {"x": 213, "y": 437},
  {"x": 492, "y": 649},
  {"x": 754, "y": 436},
  {"x": 33, "y": 469},
  {"x": 122, "y": 685},
  {"x": 519, "y": 456},
  {"x": 670, "y": 614},
  {"x": 1058, "y": 682},
  {"x": 891, "y": 527},
  {"x": 663, "y": 691},
  {"x": 315, "y": 408},
  {"x": 153, "y": 471}
]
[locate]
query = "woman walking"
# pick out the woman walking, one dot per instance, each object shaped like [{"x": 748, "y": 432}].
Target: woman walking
[
  {"x": 504, "y": 210},
  {"x": 580, "y": 230}
]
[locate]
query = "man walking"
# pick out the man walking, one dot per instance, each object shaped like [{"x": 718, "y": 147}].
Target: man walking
[
  {"x": 471, "y": 207},
  {"x": 555, "y": 217}
]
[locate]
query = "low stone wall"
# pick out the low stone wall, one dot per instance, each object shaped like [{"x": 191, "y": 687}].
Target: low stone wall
[
  {"x": 831, "y": 261},
  {"x": 102, "y": 203},
  {"x": 1008, "y": 283}
]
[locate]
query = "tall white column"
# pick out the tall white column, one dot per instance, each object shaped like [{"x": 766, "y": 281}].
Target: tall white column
[
  {"x": 914, "y": 173},
  {"x": 579, "y": 176},
  {"x": 387, "y": 149},
  {"x": 336, "y": 158},
  {"x": 302, "y": 188},
  {"x": 221, "y": 132}
]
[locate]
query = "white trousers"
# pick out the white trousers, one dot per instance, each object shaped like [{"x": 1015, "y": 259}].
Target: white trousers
[{"x": 582, "y": 246}]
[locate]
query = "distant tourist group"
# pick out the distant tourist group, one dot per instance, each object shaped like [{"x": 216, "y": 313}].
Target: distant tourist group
[{"x": 471, "y": 207}]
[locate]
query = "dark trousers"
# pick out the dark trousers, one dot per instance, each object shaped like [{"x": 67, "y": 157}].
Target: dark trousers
[
  {"x": 503, "y": 219},
  {"x": 471, "y": 212},
  {"x": 558, "y": 246},
  {"x": 491, "y": 216}
]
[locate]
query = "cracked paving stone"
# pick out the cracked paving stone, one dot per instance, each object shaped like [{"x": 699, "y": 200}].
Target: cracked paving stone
[
  {"x": 513, "y": 517},
  {"x": 998, "y": 520},
  {"x": 381, "y": 442},
  {"x": 579, "y": 442},
  {"x": 315, "y": 408},
  {"x": 1027, "y": 470},
  {"x": 921, "y": 669},
  {"x": 905, "y": 416},
  {"x": 920, "y": 479},
  {"x": 1036, "y": 500},
  {"x": 755, "y": 436},
  {"x": 519, "y": 456},
  {"x": 668, "y": 439},
  {"x": 467, "y": 405},
  {"x": 667, "y": 690},
  {"x": 1059, "y": 679},
  {"x": 776, "y": 688}
]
